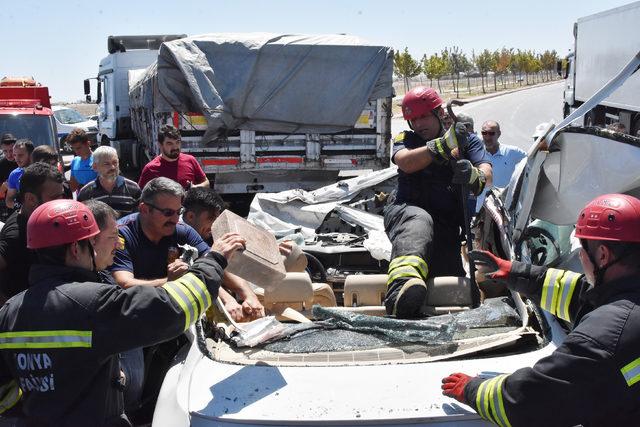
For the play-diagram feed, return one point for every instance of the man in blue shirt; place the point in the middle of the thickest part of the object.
(150, 238)
(22, 150)
(423, 222)
(504, 158)
(82, 171)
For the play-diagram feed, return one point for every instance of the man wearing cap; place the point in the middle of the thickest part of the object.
(593, 377)
(504, 158)
(424, 221)
(60, 340)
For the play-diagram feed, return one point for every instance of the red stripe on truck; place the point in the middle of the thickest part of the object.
(280, 160)
(220, 162)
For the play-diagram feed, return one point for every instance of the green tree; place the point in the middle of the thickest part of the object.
(485, 62)
(504, 58)
(405, 67)
(548, 60)
(457, 65)
(434, 67)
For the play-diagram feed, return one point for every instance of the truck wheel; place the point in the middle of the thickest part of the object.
(105, 141)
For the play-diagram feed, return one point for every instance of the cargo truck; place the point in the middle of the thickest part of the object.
(603, 44)
(260, 112)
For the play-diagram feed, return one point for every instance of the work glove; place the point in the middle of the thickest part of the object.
(465, 173)
(453, 386)
(454, 137)
(490, 265)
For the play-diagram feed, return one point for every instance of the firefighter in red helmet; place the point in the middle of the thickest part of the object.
(593, 377)
(60, 339)
(424, 219)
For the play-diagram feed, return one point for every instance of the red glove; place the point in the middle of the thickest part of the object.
(453, 386)
(489, 264)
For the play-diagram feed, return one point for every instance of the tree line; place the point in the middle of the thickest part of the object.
(453, 63)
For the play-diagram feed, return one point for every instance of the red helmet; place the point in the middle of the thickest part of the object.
(59, 222)
(419, 102)
(614, 217)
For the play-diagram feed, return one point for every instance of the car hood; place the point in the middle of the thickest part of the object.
(388, 394)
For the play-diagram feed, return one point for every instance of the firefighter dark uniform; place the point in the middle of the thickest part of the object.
(61, 338)
(593, 378)
(423, 223)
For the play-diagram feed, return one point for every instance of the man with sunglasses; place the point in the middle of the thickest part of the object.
(424, 220)
(593, 377)
(504, 158)
(150, 238)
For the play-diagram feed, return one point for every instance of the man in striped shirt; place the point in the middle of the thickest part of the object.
(110, 187)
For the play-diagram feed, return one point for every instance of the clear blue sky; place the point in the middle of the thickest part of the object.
(61, 42)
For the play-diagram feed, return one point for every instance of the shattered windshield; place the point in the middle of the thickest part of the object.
(68, 116)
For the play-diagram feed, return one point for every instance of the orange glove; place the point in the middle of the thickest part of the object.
(490, 265)
(453, 386)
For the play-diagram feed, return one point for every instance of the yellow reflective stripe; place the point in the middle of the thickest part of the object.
(498, 403)
(189, 281)
(182, 300)
(631, 372)
(484, 392)
(482, 404)
(412, 260)
(10, 394)
(550, 289)
(201, 288)
(46, 339)
(403, 272)
(491, 388)
(569, 281)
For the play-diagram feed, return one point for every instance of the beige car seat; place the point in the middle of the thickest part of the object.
(366, 292)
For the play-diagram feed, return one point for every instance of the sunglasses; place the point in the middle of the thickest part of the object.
(166, 212)
(484, 132)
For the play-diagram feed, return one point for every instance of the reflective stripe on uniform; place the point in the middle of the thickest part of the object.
(631, 372)
(403, 272)
(410, 260)
(46, 339)
(191, 295)
(557, 291)
(490, 401)
(10, 394)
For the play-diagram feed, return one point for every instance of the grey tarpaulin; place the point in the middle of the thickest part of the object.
(252, 81)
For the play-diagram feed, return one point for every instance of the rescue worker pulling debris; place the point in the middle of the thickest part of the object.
(60, 339)
(423, 222)
(593, 378)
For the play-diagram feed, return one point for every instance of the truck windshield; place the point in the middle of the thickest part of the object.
(36, 128)
(69, 116)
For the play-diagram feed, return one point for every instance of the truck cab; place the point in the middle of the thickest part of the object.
(25, 111)
(128, 55)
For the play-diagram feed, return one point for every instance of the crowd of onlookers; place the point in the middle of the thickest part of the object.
(144, 227)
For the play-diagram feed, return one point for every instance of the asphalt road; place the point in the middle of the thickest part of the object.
(518, 113)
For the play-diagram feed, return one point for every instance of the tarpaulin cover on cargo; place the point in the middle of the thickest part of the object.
(252, 81)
